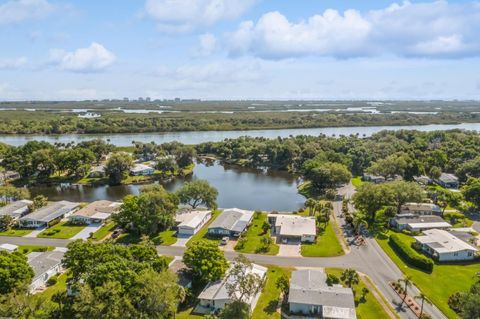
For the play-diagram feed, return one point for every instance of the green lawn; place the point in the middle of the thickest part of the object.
(327, 245)
(26, 249)
(357, 181)
(202, 234)
(252, 238)
(165, 238)
(441, 283)
(371, 308)
(62, 230)
(104, 231)
(16, 232)
(266, 307)
(61, 285)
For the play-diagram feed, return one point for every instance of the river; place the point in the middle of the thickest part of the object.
(237, 187)
(122, 139)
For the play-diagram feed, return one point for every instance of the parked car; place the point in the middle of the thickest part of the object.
(284, 241)
(116, 233)
(224, 241)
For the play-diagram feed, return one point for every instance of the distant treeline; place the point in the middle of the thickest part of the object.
(43, 122)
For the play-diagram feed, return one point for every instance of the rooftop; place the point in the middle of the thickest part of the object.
(51, 211)
(448, 178)
(140, 167)
(420, 206)
(11, 208)
(443, 242)
(191, 218)
(41, 262)
(98, 209)
(293, 225)
(233, 219)
(422, 221)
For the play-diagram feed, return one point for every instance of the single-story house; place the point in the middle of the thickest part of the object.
(8, 247)
(9, 176)
(142, 170)
(445, 246)
(44, 265)
(373, 178)
(417, 223)
(447, 180)
(16, 209)
(45, 215)
(420, 209)
(309, 295)
(97, 171)
(190, 222)
(215, 295)
(96, 212)
(294, 227)
(231, 222)
(424, 180)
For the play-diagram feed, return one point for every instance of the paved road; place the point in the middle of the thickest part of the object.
(369, 259)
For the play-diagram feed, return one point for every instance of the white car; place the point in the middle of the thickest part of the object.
(224, 240)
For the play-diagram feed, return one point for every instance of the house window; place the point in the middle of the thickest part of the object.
(455, 254)
(470, 254)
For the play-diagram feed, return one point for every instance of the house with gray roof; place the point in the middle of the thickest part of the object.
(44, 216)
(44, 265)
(16, 209)
(231, 222)
(445, 246)
(309, 296)
(294, 227)
(420, 209)
(447, 180)
(417, 223)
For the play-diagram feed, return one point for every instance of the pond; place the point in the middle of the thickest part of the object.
(240, 187)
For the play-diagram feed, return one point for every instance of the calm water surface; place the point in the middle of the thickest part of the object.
(238, 187)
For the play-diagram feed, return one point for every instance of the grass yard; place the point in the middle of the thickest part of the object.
(441, 283)
(61, 285)
(16, 232)
(26, 249)
(202, 234)
(165, 238)
(62, 230)
(251, 241)
(327, 245)
(357, 181)
(267, 304)
(186, 314)
(371, 308)
(104, 231)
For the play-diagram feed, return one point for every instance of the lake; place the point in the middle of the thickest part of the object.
(240, 187)
(122, 139)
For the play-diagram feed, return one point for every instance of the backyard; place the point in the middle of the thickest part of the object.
(441, 283)
(267, 304)
(326, 245)
(63, 230)
(252, 240)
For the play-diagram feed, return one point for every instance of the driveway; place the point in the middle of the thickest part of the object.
(35, 233)
(182, 241)
(85, 233)
(289, 250)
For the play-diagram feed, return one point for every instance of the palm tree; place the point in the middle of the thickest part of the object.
(407, 282)
(311, 205)
(424, 299)
(350, 277)
(359, 220)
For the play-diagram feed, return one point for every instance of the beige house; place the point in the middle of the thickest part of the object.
(96, 212)
(190, 222)
(294, 227)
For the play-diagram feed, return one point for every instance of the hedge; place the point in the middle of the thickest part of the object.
(410, 255)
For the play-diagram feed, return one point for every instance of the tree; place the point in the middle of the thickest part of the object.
(6, 222)
(198, 192)
(15, 272)
(350, 277)
(370, 198)
(471, 191)
(167, 164)
(39, 201)
(435, 172)
(283, 283)
(236, 309)
(11, 193)
(389, 167)
(444, 198)
(118, 166)
(266, 227)
(359, 222)
(407, 282)
(421, 296)
(243, 283)
(326, 174)
(404, 192)
(22, 305)
(206, 261)
(184, 155)
(363, 296)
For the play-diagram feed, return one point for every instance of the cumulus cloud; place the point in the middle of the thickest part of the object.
(11, 64)
(433, 29)
(185, 15)
(207, 44)
(91, 59)
(15, 11)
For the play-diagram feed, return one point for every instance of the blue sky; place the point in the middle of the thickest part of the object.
(239, 49)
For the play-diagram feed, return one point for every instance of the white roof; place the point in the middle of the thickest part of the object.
(420, 206)
(430, 225)
(8, 247)
(140, 167)
(443, 242)
(192, 219)
(233, 219)
(293, 225)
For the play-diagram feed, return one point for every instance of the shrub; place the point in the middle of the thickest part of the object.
(410, 255)
(454, 302)
(52, 280)
(332, 280)
(40, 249)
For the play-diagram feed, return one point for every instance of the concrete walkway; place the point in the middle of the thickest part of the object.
(85, 233)
(182, 241)
(35, 233)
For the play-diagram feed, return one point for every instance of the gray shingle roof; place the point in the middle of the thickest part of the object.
(42, 262)
(11, 208)
(233, 219)
(51, 211)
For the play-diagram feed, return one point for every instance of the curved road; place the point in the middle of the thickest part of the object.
(369, 259)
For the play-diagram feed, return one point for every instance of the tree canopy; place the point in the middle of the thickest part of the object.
(206, 261)
(198, 193)
(15, 272)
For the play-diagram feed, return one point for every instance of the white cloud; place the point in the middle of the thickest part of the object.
(94, 58)
(207, 44)
(15, 11)
(437, 29)
(185, 15)
(10, 64)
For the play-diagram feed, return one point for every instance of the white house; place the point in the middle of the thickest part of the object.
(190, 222)
(45, 215)
(310, 296)
(444, 246)
(142, 170)
(8, 247)
(416, 223)
(420, 209)
(294, 227)
(231, 222)
(96, 212)
(44, 265)
(215, 295)
(16, 209)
